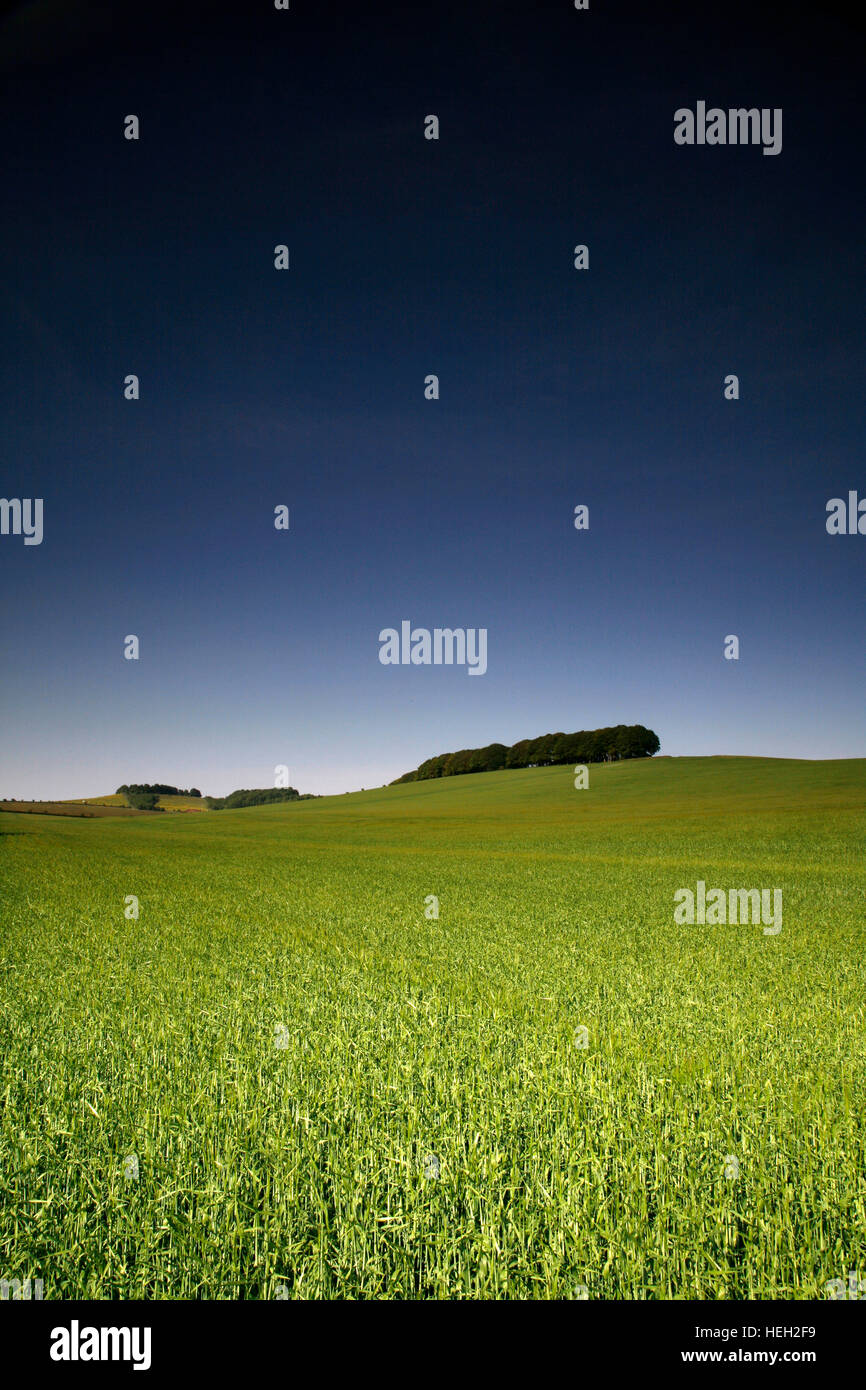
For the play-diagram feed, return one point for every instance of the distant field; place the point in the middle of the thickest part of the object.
(116, 804)
(166, 803)
(327, 1094)
(84, 810)
(116, 799)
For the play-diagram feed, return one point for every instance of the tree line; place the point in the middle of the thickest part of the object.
(258, 796)
(143, 796)
(158, 788)
(586, 746)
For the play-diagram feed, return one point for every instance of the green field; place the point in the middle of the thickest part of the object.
(328, 1094)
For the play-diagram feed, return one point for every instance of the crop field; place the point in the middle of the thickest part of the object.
(286, 1077)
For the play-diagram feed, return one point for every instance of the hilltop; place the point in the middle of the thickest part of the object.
(634, 788)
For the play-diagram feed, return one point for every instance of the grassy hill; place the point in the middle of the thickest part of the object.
(329, 1093)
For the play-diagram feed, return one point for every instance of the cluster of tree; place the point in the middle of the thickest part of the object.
(587, 746)
(258, 796)
(143, 801)
(158, 788)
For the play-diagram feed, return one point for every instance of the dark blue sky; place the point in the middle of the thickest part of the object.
(306, 387)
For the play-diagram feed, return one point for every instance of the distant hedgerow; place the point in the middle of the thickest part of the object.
(158, 788)
(258, 796)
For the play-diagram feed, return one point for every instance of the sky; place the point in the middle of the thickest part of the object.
(305, 387)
